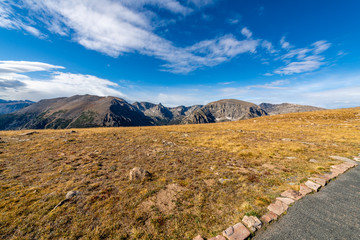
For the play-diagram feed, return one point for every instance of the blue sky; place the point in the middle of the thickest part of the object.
(182, 52)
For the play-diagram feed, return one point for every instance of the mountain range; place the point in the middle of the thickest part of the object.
(82, 111)
(12, 106)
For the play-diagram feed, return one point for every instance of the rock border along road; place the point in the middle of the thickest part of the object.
(333, 213)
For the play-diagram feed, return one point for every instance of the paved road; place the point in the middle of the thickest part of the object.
(332, 213)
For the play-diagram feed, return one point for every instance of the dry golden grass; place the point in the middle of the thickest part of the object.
(256, 160)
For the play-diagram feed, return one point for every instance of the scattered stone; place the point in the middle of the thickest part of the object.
(287, 140)
(287, 201)
(236, 232)
(218, 237)
(313, 186)
(139, 174)
(291, 158)
(252, 222)
(269, 217)
(198, 237)
(209, 182)
(72, 194)
(320, 181)
(222, 180)
(69, 195)
(313, 160)
(291, 194)
(28, 133)
(357, 159)
(278, 207)
(304, 190)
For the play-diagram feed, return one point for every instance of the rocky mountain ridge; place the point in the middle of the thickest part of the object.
(82, 111)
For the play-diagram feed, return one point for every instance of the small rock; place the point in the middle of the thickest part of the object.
(291, 194)
(222, 180)
(287, 140)
(198, 237)
(252, 222)
(320, 181)
(269, 217)
(237, 232)
(278, 207)
(304, 190)
(287, 201)
(72, 194)
(357, 159)
(313, 160)
(291, 158)
(139, 174)
(218, 237)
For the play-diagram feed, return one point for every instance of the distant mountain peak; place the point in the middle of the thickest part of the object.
(283, 108)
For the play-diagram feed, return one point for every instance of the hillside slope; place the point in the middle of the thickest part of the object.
(75, 112)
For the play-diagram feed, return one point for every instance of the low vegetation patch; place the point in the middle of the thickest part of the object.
(204, 178)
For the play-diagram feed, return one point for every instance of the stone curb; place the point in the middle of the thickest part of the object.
(250, 224)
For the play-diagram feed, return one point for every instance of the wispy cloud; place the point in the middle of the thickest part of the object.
(25, 66)
(303, 59)
(9, 20)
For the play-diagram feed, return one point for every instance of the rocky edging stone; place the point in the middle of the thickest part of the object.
(250, 224)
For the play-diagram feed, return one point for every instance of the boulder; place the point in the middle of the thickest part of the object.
(139, 174)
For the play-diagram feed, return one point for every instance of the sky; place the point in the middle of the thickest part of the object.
(182, 52)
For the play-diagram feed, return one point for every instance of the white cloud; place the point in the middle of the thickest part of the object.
(20, 86)
(246, 32)
(268, 46)
(284, 44)
(25, 66)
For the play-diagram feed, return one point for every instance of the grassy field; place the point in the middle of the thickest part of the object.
(205, 177)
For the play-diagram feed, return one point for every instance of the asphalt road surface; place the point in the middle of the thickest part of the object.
(332, 213)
